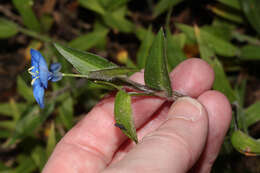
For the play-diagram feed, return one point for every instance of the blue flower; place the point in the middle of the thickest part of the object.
(41, 75)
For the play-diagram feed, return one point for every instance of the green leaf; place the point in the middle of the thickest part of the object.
(188, 30)
(218, 45)
(206, 53)
(25, 9)
(5, 134)
(250, 52)
(6, 108)
(141, 32)
(7, 124)
(123, 115)
(25, 91)
(7, 28)
(144, 48)
(51, 142)
(251, 9)
(227, 13)
(245, 38)
(231, 3)
(245, 144)
(47, 22)
(25, 165)
(93, 5)
(219, 30)
(221, 82)
(66, 112)
(117, 20)
(111, 5)
(252, 114)
(84, 62)
(175, 54)
(164, 5)
(110, 74)
(89, 40)
(179, 39)
(39, 157)
(156, 74)
(3, 167)
(32, 119)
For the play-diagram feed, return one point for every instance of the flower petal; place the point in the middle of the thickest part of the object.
(43, 71)
(56, 77)
(55, 67)
(38, 93)
(35, 56)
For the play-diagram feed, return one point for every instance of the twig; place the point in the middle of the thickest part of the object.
(6, 11)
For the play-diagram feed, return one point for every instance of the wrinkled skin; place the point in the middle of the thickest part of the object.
(185, 136)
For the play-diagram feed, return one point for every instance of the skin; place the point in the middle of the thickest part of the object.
(179, 137)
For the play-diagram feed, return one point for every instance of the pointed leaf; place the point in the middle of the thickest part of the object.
(24, 90)
(252, 113)
(221, 82)
(84, 62)
(164, 5)
(7, 28)
(123, 115)
(109, 74)
(93, 5)
(30, 121)
(175, 54)
(118, 21)
(245, 144)
(39, 156)
(156, 73)
(232, 3)
(250, 52)
(111, 5)
(206, 53)
(144, 48)
(87, 41)
(25, 9)
(51, 142)
(251, 9)
(7, 109)
(227, 14)
(66, 112)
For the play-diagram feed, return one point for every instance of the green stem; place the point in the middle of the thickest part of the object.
(75, 75)
(242, 37)
(34, 34)
(130, 84)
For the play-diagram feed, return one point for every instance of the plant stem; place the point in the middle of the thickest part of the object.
(145, 91)
(34, 34)
(75, 75)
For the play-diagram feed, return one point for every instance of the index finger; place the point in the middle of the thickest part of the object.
(91, 144)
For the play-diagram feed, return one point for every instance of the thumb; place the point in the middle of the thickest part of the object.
(174, 146)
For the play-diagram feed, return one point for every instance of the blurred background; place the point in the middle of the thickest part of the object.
(225, 33)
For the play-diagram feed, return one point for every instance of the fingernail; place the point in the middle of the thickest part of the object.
(186, 108)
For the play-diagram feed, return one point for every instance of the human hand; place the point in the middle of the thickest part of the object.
(173, 138)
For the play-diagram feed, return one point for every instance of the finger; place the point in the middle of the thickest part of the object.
(174, 146)
(219, 113)
(155, 122)
(96, 138)
(192, 87)
(192, 77)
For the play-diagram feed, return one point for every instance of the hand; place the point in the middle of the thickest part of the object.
(173, 138)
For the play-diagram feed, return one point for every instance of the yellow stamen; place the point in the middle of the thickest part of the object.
(34, 80)
(32, 73)
(30, 69)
